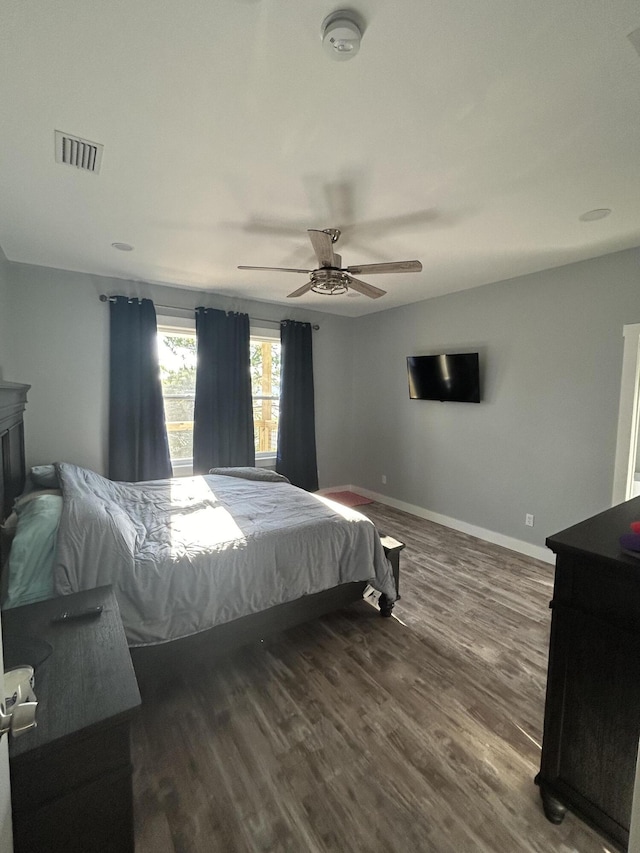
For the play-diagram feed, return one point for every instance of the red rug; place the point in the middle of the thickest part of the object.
(347, 498)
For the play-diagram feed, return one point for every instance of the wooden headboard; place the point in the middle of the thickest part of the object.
(13, 399)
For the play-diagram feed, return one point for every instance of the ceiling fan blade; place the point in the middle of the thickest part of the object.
(301, 290)
(365, 289)
(394, 266)
(323, 247)
(275, 269)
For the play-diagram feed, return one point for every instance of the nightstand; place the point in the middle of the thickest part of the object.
(71, 775)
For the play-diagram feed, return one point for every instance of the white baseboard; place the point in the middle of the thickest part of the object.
(347, 488)
(519, 545)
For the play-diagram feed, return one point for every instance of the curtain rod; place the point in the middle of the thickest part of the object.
(105, 298)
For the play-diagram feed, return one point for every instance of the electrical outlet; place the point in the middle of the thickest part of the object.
(384, 479)
(529, 519)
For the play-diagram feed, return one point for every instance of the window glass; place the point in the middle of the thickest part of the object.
(265, 389)
(177, 355)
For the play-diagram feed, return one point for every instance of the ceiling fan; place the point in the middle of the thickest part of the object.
(330, 278)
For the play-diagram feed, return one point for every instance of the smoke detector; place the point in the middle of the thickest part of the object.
(341, 35)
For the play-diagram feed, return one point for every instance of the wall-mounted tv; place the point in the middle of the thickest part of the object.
(452, 377)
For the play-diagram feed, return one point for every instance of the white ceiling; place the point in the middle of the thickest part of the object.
(470, 134)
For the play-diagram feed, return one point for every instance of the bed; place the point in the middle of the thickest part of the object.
(282, 556)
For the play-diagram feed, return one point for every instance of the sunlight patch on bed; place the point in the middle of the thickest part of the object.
(203, 526)
(186, 490)
(210, 527)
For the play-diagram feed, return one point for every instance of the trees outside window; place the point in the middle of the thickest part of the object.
(177, 355)
(265, 389)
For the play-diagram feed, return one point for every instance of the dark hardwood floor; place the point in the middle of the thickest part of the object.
(361, 734)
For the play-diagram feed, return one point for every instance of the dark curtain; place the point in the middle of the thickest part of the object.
(223, 416)
(138, 445)
(296, 424)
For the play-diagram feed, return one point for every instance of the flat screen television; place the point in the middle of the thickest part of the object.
(452, 377)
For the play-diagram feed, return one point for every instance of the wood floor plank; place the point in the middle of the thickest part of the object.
(356, 734)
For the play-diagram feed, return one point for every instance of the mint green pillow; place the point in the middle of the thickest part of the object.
(33, 551)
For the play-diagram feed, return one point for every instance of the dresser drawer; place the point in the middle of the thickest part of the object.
(44, 775)
(97, 818)
(611, 594)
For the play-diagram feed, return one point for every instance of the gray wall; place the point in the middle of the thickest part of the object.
(543, 439)
(60, 349)
(59, 331)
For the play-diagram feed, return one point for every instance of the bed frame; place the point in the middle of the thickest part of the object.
(214, 642)
(13, 399)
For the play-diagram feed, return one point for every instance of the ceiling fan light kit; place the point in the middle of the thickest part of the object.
(341, 35)
(330, 278)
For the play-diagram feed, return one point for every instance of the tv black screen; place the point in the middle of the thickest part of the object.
(453, 377)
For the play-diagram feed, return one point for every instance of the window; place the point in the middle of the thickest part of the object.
(177, 356)
(265, 389)
(177, 353)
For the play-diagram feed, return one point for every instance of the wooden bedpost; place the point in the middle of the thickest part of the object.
(392, 548)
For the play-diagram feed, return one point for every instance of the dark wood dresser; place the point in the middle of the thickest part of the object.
(71, 775)
(592, 712)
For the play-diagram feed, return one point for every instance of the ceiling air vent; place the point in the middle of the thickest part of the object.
(73, 151)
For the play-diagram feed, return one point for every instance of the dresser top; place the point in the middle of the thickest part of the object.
(87, 680)
(599, 536)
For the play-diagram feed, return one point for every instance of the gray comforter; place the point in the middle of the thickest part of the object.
(186, 554)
